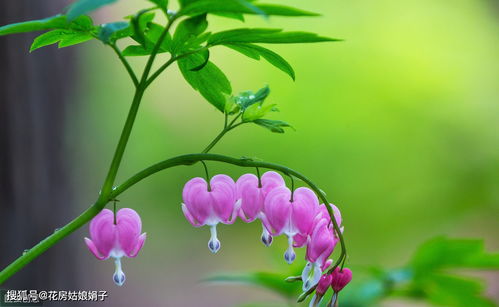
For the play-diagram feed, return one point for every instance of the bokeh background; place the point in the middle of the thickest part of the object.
(398, 124)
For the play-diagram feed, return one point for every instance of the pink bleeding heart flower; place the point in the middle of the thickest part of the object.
(320, 246)
(341, 278)
(252, 193)
(290, 216)
(322, 286)
(301, 240)
(116, 237)
(210, 205)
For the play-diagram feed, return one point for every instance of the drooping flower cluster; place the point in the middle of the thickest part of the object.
(296, 214)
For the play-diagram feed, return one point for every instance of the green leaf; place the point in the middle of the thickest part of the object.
(239, 7)
(64, 37)
(110, 32)
(445, 290)
(83, 7)
(248, 98)
(273, 125)
(442, 253)
(255, 51)
(152, 35)
(270, 281)
(54, 22)
(256, 111)
(187, 31)
(267, 36)
(160, 3)
(210, 81)
(140, 23)
(282, 10)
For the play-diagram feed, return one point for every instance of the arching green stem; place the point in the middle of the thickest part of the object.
(189, 159)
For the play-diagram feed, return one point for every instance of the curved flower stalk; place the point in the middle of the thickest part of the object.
(210, 204)
(252, 191)
(116, 236)
(290, 214)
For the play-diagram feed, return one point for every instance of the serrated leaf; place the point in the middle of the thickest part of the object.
(270, 281)
(239, 7)
(210, 81)
(54, 22)
(255, 51)
(267, 36)
(110, 32)
(83, 7)
(65, 38)
(273, 125)
(74, 39)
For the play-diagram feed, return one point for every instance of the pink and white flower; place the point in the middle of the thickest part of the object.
(210, 205)
(320, 246)
(252, 193)
(289, 215)
(116, 237)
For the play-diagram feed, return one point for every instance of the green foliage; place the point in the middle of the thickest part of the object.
(160, 3)
(187, 32)
(83, 7)
(432, 275)
(210, 81)
(65, 38)
(266, 36)
(255, 52)
(54, 22)
(276, 126)
(78, 31)
(111, 32)
(239, 7)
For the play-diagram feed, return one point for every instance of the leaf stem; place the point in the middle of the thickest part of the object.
(126, 64)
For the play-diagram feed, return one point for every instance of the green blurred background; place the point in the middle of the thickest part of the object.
(398, 124)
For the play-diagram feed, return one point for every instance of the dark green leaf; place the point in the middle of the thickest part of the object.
(273, 125)
(239, 7)
(54, 22)
(210, 81)
(83, 7)
(444, 290)
(268, 36)
(281, 10)
(187, 30)
(270, 281)
(64, 37)
(255, 51)
(110, 32)
(152, 35)
(206, 55)
(441, 253)
(140, 22)
(236, 16)
(160, 3)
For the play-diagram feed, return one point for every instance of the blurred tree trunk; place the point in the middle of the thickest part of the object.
(34, 178)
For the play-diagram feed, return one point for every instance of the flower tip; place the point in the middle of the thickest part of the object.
(119, 278)
(289, 255)
(267, 239)
(214, 245)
